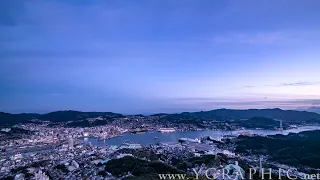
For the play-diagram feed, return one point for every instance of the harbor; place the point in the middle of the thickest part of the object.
(152, 137)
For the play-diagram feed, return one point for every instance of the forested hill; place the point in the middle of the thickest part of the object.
(57, 116)
(10, 119)
(293, 149)
(186, 117)
(285, 115)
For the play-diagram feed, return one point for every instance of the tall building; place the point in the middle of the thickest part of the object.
(281, 127)
(70, 142)
(260, 166)
(75, 164)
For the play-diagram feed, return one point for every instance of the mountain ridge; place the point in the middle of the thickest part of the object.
(217, 114)
(313, 109)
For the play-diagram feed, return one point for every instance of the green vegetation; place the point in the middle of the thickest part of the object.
(194, 118)
(8, 178)
(11, 119)
(141, 153)
(294, 149)
(285, 115)
(62, 167)
(180, 119)
(258, 122)
(86, 123)
(14, 133)
(62, 116)
(209, 160)
(138, 167)
(57, 116)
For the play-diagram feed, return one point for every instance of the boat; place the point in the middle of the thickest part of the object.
(189, 140)
(217, 139)
(245, 133)
(230, 136)
(138, 131)
(85, 135)
(16, 156)
(166, 130)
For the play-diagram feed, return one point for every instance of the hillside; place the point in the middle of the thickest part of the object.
(140, 169)
(285, 115)
(186, 117)
(63, 116)
(179, 119)
(285, 149)
(10, 119)
(314, 109)
(57, 116)
(259, 122)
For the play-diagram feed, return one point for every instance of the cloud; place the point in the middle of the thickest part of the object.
(303, 83)
(212, 103)
(315, 102)
(300, 83)
(248, 86)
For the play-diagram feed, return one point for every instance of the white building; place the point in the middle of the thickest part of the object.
(70, 143)
(41, 176)
(166, 130)
(75, 164)
(123, 155)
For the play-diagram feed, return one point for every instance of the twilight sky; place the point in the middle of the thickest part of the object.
(144, 56)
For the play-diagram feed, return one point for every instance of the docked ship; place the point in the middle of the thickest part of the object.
(245, 133)
(211, 139)
(228, 137)
(85, 135)
(189, 140)
(166, 130)
(138, 131)
(16, 156)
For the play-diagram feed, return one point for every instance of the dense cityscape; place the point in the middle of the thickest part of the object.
(42, 149)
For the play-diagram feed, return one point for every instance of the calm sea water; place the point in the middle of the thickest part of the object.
(149, 137)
